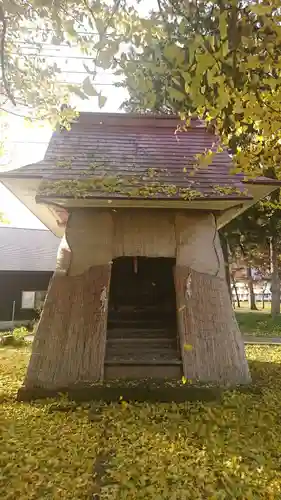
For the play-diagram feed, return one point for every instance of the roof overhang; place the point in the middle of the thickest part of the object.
(197, 204)
(258, 192)
(52, 212)
(25, 190)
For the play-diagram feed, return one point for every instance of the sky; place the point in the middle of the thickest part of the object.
(27, 144)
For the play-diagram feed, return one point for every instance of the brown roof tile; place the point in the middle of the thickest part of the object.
(136, 151)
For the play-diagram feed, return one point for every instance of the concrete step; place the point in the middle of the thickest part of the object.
(141, 315)
(142, 349)
(136, 370)
(143, 362)
(139, 323)
(151, 342)
(140, 333)
(142, 357)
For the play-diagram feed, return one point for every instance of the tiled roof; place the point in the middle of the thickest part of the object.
(136, 151)
(27, 249)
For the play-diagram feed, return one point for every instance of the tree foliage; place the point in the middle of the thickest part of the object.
(254, 239)
(29, 80)
(217, 59)
(3, 219)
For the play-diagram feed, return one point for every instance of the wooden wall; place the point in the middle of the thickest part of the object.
(69, 345)
(96, 236)
(12, 284)
(70, 341)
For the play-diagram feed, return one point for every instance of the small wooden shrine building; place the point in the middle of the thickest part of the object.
(140, 287)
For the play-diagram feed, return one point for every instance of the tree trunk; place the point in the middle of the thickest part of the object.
(236, 292)
(252, 297)
(211, 343)
(224, 245)
(263, 294)
(275, 280)
(69, 345)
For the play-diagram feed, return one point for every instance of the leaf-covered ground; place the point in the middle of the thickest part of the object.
(162, 451)
(258, 323)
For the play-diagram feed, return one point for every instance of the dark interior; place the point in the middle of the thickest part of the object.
(142, 339)
(142, 284)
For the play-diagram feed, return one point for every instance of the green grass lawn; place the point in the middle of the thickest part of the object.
(266, 308)
(258, 323)
(190, 451)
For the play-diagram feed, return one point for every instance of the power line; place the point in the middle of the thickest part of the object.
(44, 56)
(94, 83)
(66, 57)
(45, 43)
(77, 58)
(52, 30)
(51, 46)
(75, 72)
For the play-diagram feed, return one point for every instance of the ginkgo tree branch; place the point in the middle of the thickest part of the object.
(161, 12)
(264, 103)
(102, 35)
(2, 57)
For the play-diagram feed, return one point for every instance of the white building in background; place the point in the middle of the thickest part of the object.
(240, 283)
(261, 290)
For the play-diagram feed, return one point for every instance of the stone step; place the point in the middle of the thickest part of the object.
(132, 370)
(142, 352)
(144, 347)
(139, 325)
(140, 342)
(142, 357)
(157, 322)
(137, 361)
(140, 333)
(140, 316)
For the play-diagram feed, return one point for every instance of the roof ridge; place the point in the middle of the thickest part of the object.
(96, 117)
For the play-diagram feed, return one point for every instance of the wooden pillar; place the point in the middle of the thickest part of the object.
(69, 345)
(211, 343)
